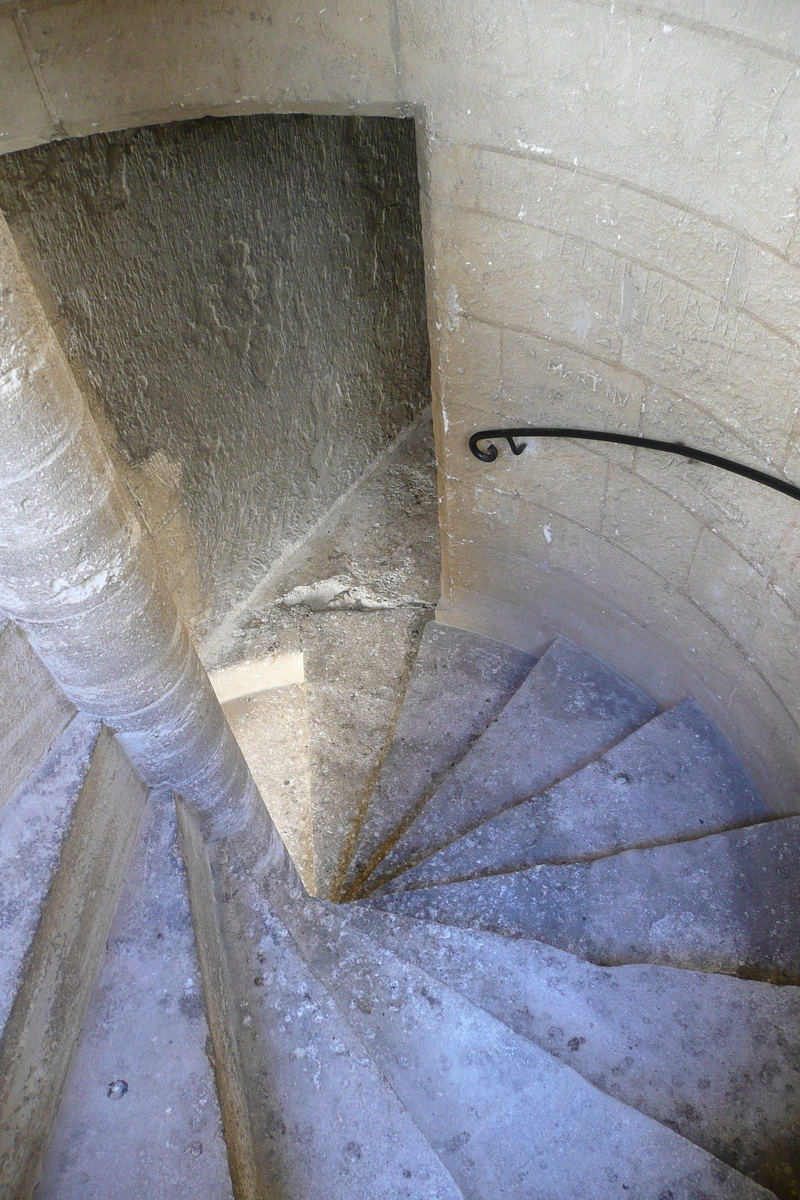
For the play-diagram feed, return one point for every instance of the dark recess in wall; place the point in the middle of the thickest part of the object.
(245, 295)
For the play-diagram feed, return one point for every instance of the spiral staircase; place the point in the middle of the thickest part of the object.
(565, 962)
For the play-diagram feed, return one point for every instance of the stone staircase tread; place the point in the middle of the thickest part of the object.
(507, 1119)
(33, 827)
(715, 1058)
(356, 664)
(673, 779)
(725, 903)
(459, 682)
(325, 1122)
(570, 709)
(139, 1115)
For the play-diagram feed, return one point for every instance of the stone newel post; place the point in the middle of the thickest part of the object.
(76, 574)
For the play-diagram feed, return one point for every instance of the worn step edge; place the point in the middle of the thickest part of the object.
(219, 1002)
(640, 906)
(588, 816)
(392, 864)
(400, 883)
(356, 878)
(48, 1010)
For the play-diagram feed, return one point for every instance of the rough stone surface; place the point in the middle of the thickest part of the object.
(504, 1116)
(570, 708)
(272, 729)
(458, 684)
(246, 299)
(724, 903)
(33, 827)
(139, 1114)
(325, 1121)
(714, 1058)
(675, 778)
(353, 598)
(33, 709)
(375, 550)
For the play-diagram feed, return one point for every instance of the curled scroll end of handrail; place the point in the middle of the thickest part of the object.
(487, 455)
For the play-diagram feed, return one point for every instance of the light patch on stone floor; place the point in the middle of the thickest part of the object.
(257, 675)
(272, 730)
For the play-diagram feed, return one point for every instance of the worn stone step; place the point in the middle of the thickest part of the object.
(357, 666)
(272, 729)
(458, 684)
(506, 1118)
(322, 1120)
(674, 778)
(139, 1115)
(570, 709)
(716, 1059)
(33, 828)
(726, 903)
(65, 841)
(33, 709)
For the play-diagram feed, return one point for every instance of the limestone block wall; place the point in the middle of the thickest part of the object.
(610, 214)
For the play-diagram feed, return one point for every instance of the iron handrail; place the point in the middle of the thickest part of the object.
(624, 439)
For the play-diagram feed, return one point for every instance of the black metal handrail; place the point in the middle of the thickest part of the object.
(625, 439)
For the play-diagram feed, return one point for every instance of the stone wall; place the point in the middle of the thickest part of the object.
(245, 297)
(610, 221)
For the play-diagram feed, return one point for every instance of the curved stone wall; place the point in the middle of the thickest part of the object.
(611, 212)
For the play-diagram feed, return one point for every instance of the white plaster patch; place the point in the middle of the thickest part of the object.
(548, 534)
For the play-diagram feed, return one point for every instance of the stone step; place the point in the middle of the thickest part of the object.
(716, 1059)
(725, 903)
(506, 1118)
(33, 709)
(458, 684)
(674, 778)
(323, 1122)
(139, 1115)
(272, 729)
(357, 665)
(65, 841)
(570, 709)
